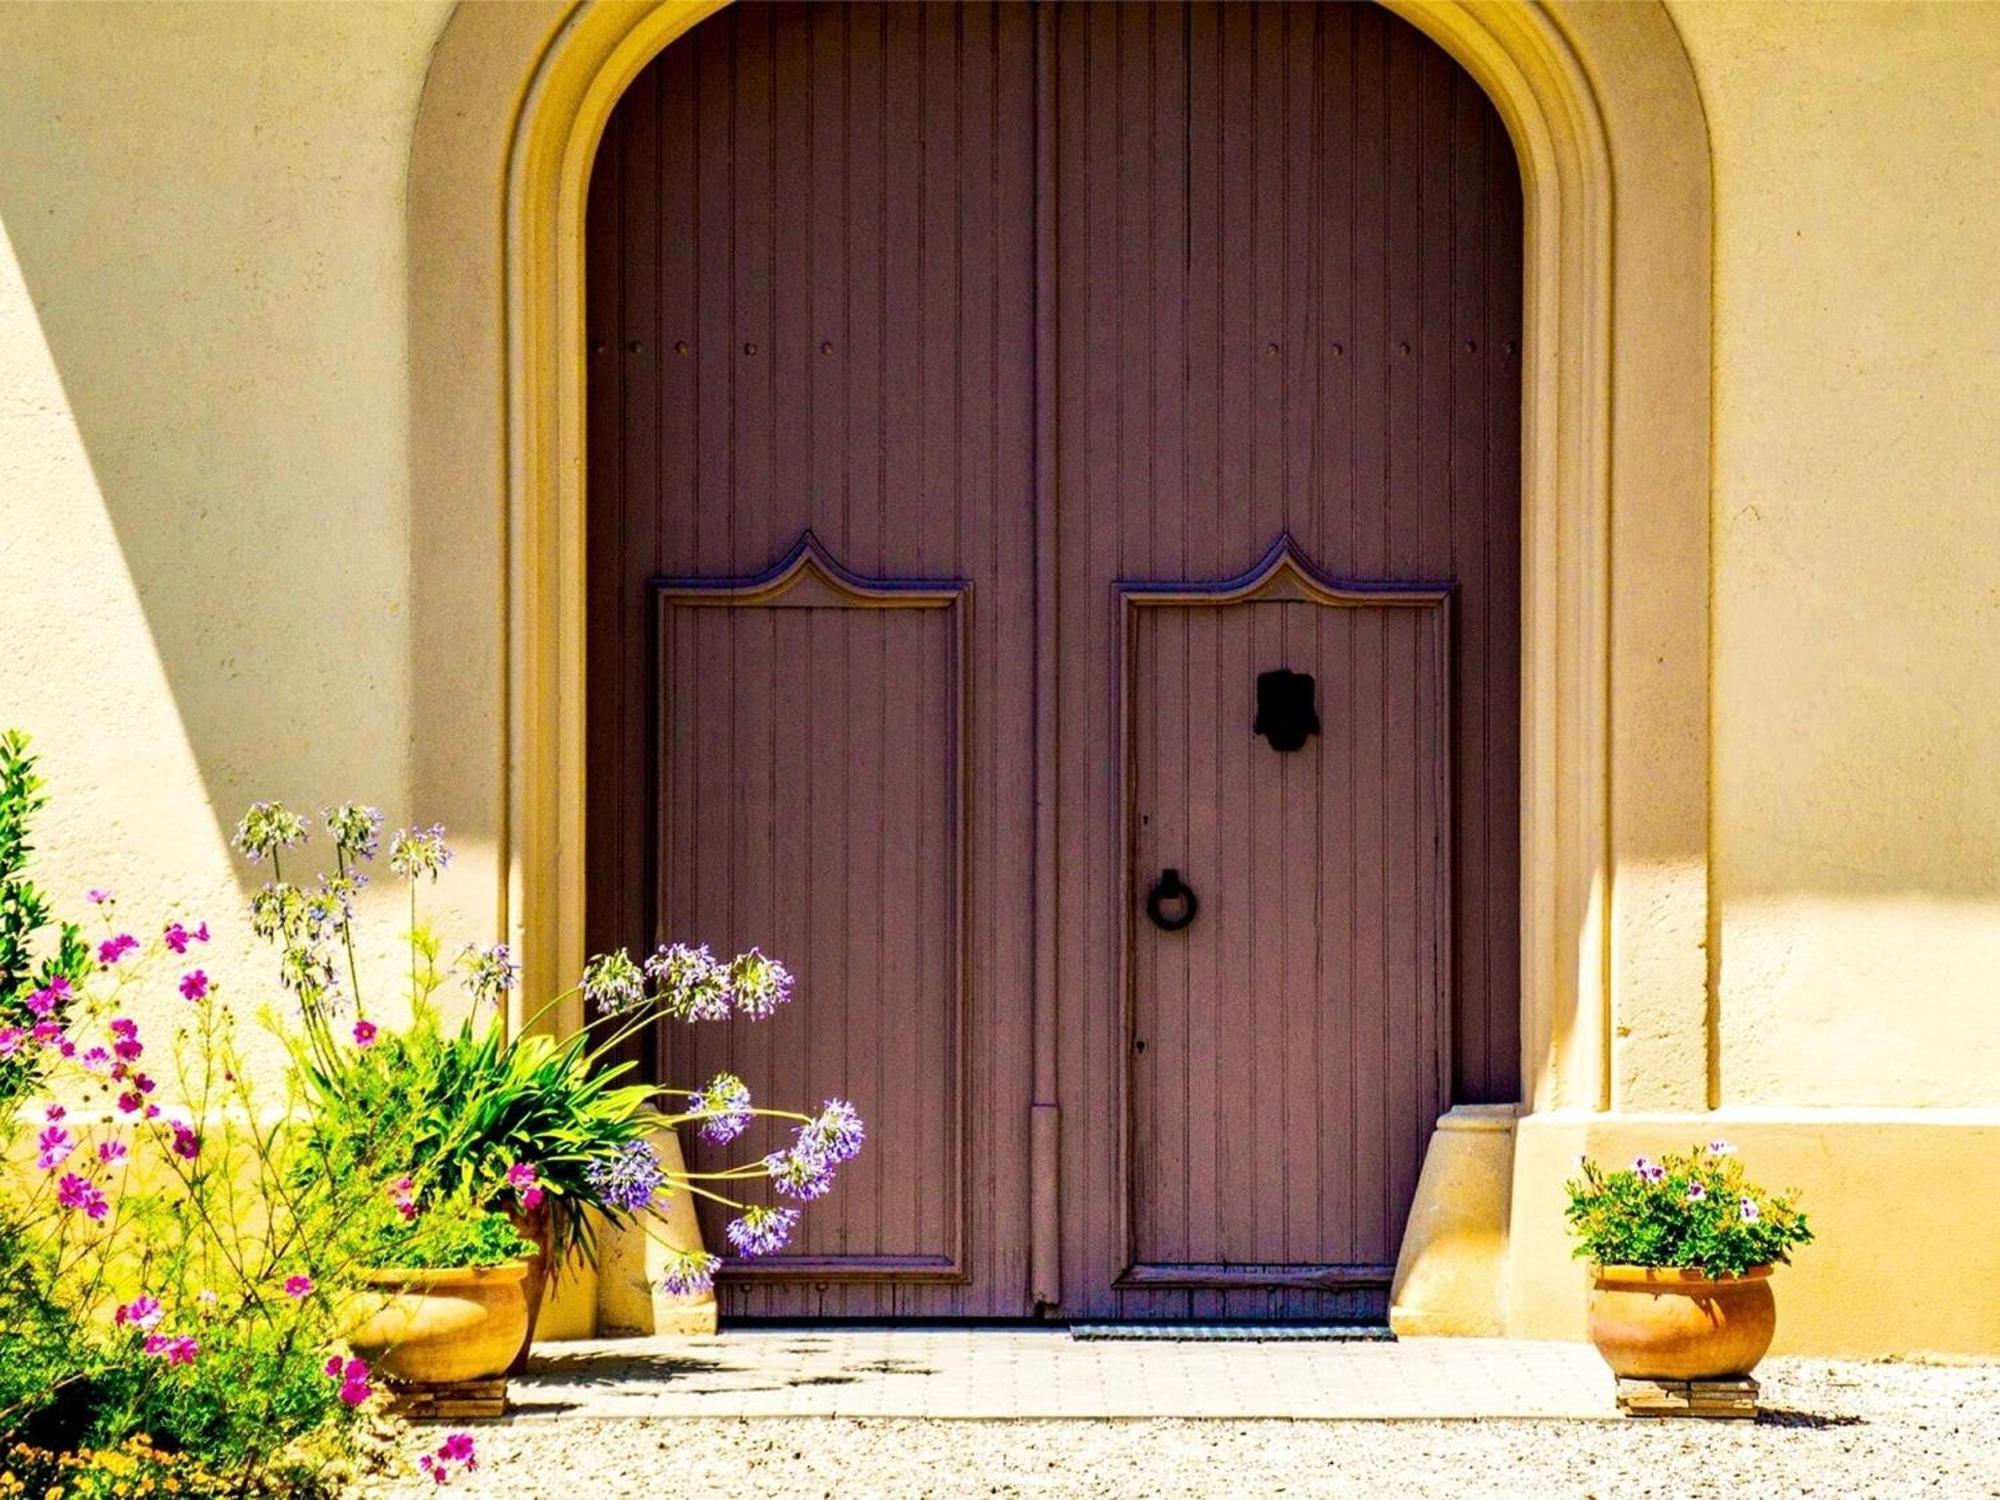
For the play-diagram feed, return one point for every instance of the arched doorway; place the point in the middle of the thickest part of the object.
(1022, 335)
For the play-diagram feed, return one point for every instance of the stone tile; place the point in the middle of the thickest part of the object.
(1036, 1373)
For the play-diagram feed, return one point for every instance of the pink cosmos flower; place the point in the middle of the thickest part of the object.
(178, 937)
(96, 1060)
(176, 1350)
(53, 1147)
(74, 1192)
(125, 1039)
(353, 1377)
(54, 1113)
(194, 984)
(112, 949)
(111, 1151)
(140, 1312)
(402, 1193)
(47, 1032)
(97, 895)
(187, 1145)
(298, 1286)
(364, 1034)
(12, 1039)
(526, 1183)
(44, 1001)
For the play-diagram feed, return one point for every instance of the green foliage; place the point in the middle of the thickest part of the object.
(1694, 1212)
(137, 1469)
(25, 912)
(451, 1235)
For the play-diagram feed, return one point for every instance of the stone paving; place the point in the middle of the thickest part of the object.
(1035, 1374)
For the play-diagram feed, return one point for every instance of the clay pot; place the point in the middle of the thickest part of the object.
(1654, 1323)
(437, 1326)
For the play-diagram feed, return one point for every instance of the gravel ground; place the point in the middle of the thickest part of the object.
(1830, 1429)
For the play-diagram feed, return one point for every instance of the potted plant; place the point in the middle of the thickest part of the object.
(556, 1134)
(1682, 1251)
(445, 1299)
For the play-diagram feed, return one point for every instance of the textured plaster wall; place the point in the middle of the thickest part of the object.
(1857, 548)
(205, 510)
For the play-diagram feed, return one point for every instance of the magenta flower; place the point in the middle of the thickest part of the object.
(402, 1193)
(53, 1147)
(178, 937)
(140, 1312)
(97, 895)
(194, 984)
(455, 1449)
(176, 1350)
(114, 948)
(364, 1034)
(111, 1151)
(95, 1060)
(298, 1286)
(74, 1192)
(125, 1039)
(353, 1377)
(12, 1040)
(526, 1183)
(54, 1113)
(48, 1032)
(187, 1145)
(44, 1001)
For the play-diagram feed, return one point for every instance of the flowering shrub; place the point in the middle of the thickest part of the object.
(178, 1261)
(1694, 1212)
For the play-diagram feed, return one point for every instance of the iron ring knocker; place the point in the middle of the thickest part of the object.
(1170, 887)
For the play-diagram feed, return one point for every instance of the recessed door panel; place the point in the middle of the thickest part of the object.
(1285, 1057)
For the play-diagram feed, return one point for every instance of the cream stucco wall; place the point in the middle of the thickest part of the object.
(1857, 549)
(205, 508)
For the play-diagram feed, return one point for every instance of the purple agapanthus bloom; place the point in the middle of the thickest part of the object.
(692, 985)
(836, 1132)
(688, 1272)
(627, 1179)
(724, 1107)
(799, 1173)
(355, 828)
(759, 984)
(762, 1230)
(416, 852)
(613, 983)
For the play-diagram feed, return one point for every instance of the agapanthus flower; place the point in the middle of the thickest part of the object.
(688, 1272)
(799, 1173)
(177, 937)
(52, 1147)
(74, 1192)
(114, 948)
(612, 982)
(44, 1001)
(110, 1152)
(140, 1312)
(364, 1034)
(692, 985)
(490, 972)
(194, 984)
(836, 1132)
(298, 1286)
(415, 852)
(353, 828)
(760, 1231)
(724, 1107)
(266, 828)
(759, 984)
(1749, 1210)
(626, 1179)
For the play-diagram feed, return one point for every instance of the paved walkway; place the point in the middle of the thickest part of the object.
(1038, 1373)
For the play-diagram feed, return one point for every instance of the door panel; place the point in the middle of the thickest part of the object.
(1286, 1046)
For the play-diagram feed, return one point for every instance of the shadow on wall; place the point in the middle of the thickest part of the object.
(208, 563)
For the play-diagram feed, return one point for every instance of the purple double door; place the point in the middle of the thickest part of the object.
(998, 414)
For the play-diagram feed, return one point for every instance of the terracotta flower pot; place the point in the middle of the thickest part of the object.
(1660, 1324)
(437, 1326)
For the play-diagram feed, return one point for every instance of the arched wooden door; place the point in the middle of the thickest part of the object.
(997, 413)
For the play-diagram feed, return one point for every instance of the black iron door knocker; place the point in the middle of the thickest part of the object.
(1171, 891)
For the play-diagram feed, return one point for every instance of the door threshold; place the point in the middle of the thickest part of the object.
(1246, 1333)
